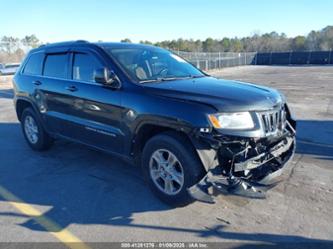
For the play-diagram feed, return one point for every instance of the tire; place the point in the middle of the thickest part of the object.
(41, 141)
(188, 165)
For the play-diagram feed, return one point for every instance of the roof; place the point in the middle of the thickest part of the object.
(122, 45)
(99, 44)
(62, 44)
(66, 45)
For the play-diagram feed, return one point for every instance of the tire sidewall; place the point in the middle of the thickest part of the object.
(41, 136)
(192, 168)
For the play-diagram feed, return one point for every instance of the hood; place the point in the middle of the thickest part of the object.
(224, 95)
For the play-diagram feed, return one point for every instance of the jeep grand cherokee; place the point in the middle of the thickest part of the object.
(189, 131)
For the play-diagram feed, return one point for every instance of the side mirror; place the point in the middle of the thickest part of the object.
(107, 77)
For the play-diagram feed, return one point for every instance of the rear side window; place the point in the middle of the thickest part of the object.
(84, 67)
(56, 65)
(34, 64)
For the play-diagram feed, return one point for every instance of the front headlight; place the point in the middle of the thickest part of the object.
(237, 120)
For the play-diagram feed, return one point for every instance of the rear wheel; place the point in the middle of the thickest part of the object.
(33, 131)
(171, 165)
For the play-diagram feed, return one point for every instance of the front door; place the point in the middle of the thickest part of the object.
(96, 108)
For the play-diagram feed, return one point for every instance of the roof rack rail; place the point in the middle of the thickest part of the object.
(63, 43)
(81, 41)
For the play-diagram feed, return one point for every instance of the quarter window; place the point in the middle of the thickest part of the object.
(56, 66)
(34, 64)
(84, 67)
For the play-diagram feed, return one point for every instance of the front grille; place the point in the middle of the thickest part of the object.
(273, 121)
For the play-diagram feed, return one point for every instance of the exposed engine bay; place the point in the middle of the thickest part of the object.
(246, 166)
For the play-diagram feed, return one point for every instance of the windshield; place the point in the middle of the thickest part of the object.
(153, 64)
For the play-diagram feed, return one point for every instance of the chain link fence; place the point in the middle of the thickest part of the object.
(209, 61)
(295, 58)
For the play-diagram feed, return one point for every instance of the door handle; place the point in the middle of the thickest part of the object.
(37, 82)
(71, 88)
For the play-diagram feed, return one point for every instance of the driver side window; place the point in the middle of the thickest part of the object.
(84, 67)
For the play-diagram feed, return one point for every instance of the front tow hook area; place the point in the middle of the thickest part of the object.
(227, 186)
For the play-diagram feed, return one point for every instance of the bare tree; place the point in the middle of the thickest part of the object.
(30, 41)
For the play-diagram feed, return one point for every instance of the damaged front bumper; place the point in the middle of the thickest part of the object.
(244, 166)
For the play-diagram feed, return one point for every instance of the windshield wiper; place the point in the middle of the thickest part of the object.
(170, 78)
(197, 76)
(160, 79)
(149, 81)
(182, 77)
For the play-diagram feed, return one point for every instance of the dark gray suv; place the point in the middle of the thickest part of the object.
(189, 132)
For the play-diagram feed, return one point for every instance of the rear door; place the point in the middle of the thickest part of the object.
(54, 99)
(44, 76)
(96, 108)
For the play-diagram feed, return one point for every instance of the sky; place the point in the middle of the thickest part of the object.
(113, 20)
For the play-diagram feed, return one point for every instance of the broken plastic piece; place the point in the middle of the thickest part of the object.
(246, 190)
(199, 191)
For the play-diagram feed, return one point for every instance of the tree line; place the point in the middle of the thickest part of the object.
(13, 49)
(269, 42)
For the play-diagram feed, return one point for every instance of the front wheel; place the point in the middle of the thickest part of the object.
(171, 165)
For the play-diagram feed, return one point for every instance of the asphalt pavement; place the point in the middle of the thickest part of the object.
(74, 193)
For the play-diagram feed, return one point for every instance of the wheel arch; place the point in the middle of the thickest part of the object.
(146, 131)
(21, 104)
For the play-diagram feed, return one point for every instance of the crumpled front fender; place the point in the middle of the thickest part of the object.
(250, 177)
